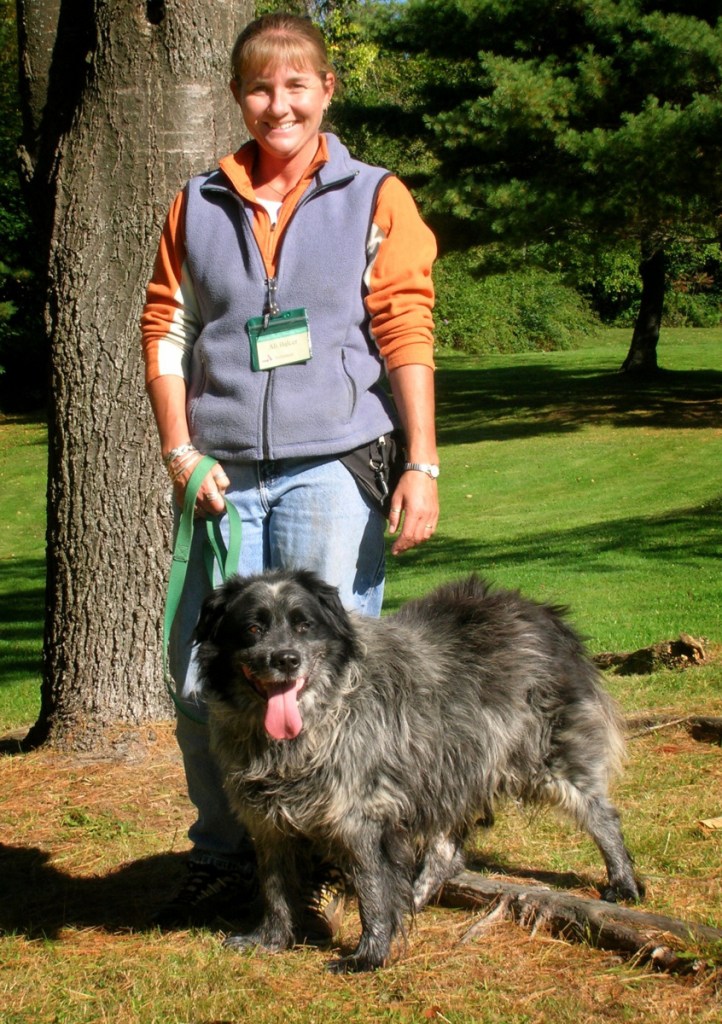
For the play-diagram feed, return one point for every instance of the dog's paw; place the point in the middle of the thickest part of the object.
(623, 892)
(353, 965)
(254, 941)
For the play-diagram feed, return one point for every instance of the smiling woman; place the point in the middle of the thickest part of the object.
(288, 283)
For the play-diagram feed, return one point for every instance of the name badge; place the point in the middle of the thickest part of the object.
(281, 340)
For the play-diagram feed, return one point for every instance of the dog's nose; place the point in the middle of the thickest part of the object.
(286, 660)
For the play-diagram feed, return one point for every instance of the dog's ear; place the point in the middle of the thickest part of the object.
(211, 615)
(333, 612)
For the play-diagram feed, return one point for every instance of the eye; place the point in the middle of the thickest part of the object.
(255, 629)
(302, 626)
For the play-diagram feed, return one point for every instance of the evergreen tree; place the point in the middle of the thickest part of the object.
(564, 121)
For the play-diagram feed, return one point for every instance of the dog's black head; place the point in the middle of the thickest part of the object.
(264, 639)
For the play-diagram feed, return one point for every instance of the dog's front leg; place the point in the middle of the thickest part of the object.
(382, 876)
(278, 874)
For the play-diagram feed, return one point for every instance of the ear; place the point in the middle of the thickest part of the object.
(329, 87)
(333, 612)
(212, 612)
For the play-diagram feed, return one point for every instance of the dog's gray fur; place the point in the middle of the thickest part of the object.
(411, 728)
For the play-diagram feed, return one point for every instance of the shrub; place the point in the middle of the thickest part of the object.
(609, 278)
(521, 310)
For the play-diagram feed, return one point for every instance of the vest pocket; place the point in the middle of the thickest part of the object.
(196, 390)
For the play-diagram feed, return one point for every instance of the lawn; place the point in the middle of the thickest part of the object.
(559, 477)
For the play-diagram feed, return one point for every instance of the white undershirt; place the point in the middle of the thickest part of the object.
(272, 206)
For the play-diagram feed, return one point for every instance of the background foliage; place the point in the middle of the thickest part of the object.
(546, 143)
(574, 136)
(23, 351)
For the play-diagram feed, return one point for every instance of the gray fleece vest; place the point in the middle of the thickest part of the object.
(329, 405)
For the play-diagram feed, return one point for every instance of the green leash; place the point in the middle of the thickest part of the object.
(215, 552)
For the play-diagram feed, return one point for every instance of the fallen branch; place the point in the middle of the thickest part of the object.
(647, 937)
(704, 728)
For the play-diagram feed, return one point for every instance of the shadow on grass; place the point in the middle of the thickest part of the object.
(45, 900)
(22, 611)
(528, 399)
(681, 538)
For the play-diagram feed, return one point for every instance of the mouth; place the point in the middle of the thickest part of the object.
(285, 126)
(282, 719)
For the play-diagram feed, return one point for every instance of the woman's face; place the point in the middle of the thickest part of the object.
(283, 109)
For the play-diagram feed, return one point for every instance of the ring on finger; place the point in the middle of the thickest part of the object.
(212, 495)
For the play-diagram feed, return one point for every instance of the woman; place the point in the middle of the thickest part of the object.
(290, 230)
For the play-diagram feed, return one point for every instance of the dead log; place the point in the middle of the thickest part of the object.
(705, 729)
(646, 937)
(681, 653)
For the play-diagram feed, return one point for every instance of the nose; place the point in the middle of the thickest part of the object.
(286, 660)
(278, 104)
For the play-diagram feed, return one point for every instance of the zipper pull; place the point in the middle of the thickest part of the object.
(271, 308)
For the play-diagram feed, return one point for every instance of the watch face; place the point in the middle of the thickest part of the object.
(434, 471)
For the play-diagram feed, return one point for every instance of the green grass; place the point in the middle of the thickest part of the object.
(23, 473)
(565, 479)
(560, 476)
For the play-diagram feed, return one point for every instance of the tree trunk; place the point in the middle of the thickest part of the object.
(137, 100)
(642, 356)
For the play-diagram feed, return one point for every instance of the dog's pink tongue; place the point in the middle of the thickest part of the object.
(283, 720)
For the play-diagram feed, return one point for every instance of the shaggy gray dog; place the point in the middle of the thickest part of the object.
(378, 744)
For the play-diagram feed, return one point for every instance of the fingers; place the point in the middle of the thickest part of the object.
(414, 532)
(211, 493)
(414, 509)
(210, 499)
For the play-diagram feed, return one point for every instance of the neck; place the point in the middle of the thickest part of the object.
(281, 176)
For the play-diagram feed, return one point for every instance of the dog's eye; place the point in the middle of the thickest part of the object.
(301, 627)
(255, 629)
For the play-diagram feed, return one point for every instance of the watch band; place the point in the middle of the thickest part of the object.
(423, 467)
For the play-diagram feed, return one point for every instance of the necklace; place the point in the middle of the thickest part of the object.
(278, 192)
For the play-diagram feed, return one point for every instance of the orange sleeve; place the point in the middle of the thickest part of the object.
(400, 295)
(170, 322)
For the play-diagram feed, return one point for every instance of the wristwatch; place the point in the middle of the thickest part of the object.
(423, 467)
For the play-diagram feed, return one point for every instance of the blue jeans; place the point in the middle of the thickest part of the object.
(296, 514)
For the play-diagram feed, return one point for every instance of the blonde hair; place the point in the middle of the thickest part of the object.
(279, 39)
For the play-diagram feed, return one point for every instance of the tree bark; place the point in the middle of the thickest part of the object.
(642, 356)
(137, 100)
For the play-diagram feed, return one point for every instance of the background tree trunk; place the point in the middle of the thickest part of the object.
(642, 356)
(137, 100)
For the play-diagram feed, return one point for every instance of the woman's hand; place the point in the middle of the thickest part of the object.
(210, 498)
(414, 506)
(168, 400)
(415, 501)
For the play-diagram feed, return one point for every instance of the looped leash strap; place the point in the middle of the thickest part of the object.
(215, 551)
